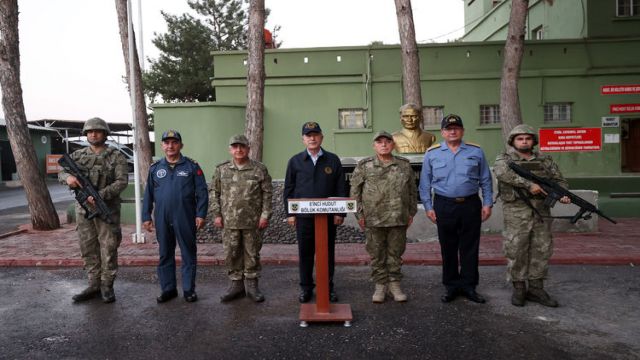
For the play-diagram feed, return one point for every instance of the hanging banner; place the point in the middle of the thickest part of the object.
(570, 139)
(620, 89)
(624, 108)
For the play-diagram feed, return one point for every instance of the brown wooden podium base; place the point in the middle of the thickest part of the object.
(337, 312)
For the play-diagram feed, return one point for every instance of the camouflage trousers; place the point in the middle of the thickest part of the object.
(528, 243)
(386, 245)
(99, 244)
(242, 250)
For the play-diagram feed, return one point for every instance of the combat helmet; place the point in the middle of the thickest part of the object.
(522, 129)
(95, 124)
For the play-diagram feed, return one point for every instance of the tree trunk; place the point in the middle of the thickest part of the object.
(43, 213)
(510, 114)
(254, 124)
(142, 142)
(410, 58)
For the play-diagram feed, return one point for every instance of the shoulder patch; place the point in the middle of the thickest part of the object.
(433, 147)
(473, 144)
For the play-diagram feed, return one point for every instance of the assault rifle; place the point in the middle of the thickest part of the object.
(555, 192)
(82, 194)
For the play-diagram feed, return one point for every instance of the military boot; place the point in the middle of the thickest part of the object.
(89, 293)
(253, 292)
(537, 294)
(235, 290)
(519, 293)
(379, 294)
(108, 296)
(394, 289)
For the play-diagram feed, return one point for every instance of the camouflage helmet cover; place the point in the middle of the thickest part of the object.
(522, 129)
(95, 124)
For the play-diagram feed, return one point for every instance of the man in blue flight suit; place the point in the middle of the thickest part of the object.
(455, 171)
(313, 173)
(177, 193)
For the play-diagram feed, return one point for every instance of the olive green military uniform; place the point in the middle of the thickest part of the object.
(528, 243)
(99, 241)
(387, 197)
(241, 196)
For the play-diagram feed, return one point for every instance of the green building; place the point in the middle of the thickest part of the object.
(40, 137)
(355, 91)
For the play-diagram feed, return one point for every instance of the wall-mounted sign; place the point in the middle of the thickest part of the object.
(611, 138)
(52, 164)
(624, 108)
(610, 121)
(620, 89)
(570, 139)
(322, 206)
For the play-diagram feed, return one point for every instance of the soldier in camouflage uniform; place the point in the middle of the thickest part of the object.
(528, 244)
(106, 167)
(385, 189)
(241, 206)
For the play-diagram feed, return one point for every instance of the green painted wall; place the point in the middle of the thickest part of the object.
(205, 129)
(458, 76)
(563, 20)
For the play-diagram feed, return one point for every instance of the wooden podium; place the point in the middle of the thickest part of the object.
(322, 310)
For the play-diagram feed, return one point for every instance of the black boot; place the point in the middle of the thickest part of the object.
(518, 298)
(108, 296)
(253, 291)
(89, 293)
(235, 290)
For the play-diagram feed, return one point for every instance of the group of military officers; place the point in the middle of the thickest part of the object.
(455, 188)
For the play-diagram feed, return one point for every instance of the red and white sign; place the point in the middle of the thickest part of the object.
(624, 108)
(52, 164)
(620, 89)
(570, 139)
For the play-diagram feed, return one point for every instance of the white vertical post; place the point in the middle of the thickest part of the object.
(138, 237)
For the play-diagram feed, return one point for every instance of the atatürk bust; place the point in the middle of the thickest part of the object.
(412, 139)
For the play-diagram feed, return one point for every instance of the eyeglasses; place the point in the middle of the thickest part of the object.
(452, 129)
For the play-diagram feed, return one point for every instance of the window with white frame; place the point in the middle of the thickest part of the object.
(626, 8)
(352, 118)
(432, 116)
(557, 113)
(489, 114)
(537, 34)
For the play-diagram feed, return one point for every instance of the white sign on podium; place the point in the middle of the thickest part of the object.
(322, 206)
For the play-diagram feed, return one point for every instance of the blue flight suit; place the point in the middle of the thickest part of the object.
(177, 196)
(455, 179)
(303, 179)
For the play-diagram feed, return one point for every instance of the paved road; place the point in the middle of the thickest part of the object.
(13, 205)
(598, 319)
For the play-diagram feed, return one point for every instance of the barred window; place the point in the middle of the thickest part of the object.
(432, 116)
(557, 113)
(489, 114)
(352, 118)
(626, 8)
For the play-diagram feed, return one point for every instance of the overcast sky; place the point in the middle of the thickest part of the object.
(71, 57)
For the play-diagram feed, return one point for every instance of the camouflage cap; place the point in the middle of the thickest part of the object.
(311, 126)
(171, 134)
(382, 133)
(451, 119)
(238, 139)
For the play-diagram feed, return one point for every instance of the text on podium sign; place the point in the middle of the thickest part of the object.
(322, 206)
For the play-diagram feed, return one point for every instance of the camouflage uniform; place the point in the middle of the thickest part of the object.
(387, 197)
(99, 241)
(241, 196)
(528, 244)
